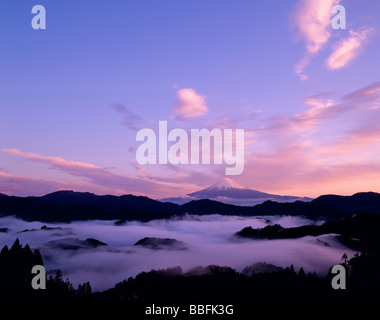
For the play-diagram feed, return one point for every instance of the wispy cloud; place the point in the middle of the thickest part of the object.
(130, 119)
(295, 157)
(349, 177)
(73, 167)
(320, 108)
(368, 93)
(324, 106)
(347, 49)
(26, 186)
(287, 153)
(115, 183)
(312, 19)
(189, 104)
(140, 169)
(366, 133)
(301, 170)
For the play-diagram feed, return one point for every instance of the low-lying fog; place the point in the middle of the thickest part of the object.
(209, 240)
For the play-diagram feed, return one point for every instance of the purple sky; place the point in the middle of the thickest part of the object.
(73, 96)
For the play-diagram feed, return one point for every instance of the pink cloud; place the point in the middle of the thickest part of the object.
(25, 186)
(96, 176)
(285, 154)
(320, 108)
(28, 186)
(347, 49)
(296, 155)
(344, 177)
(225, 123)
(140, 169)
(274, 170)
(187, 178)
(189, 104)
(366, 134)
(57, 161)
(371, 92)
(312, 18)
(313, 21)
(299, 170)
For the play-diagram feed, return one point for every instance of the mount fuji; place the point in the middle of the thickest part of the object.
(230, 192)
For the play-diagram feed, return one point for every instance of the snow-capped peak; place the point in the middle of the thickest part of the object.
(225, 184)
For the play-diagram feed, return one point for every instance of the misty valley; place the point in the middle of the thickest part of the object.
(104, 253)
(113, 258)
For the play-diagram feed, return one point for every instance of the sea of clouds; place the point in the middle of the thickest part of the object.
(209, 240)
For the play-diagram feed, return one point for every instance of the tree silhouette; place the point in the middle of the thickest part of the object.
(16, 264)
(84, 289)
(344, 260)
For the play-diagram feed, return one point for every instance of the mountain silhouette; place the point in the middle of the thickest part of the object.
(368, 202)
(63, 206)
(108, 202)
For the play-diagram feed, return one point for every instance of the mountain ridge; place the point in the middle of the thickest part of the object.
(63, 206)
(368, 202)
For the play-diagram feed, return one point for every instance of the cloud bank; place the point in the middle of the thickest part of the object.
(209, 241)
